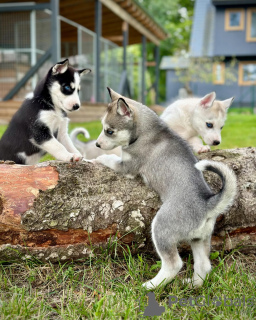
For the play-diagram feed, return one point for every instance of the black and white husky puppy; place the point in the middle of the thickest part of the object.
(40, 125)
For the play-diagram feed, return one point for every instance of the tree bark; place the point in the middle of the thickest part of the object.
(60, 211)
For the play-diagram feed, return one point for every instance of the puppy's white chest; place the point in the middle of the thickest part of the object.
(51, 119)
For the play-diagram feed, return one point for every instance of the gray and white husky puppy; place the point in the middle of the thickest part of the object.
(194, 117)
(167, 164)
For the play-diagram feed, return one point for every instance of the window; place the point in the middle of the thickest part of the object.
(247, 73)
(219, 73)
(234, 19)
(251, 25)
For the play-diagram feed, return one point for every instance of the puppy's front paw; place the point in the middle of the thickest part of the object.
(107, 159)
(103, 159)
(203, 149)
(76, 157)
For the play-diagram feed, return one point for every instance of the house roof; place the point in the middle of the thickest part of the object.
(232, 2)
(169, 62)
(114, 13)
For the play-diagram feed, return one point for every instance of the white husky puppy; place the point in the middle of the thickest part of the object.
(194, 117)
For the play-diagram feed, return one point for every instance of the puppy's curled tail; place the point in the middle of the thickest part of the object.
(220, 202)
(76, 142)
(74, 133)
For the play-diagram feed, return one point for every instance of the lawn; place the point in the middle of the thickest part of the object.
(104, 287)
(109, 287)
(239, 130)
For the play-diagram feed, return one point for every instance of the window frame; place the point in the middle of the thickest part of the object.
(241, 82)
(248, 25)
(227, 19)
(214, 68)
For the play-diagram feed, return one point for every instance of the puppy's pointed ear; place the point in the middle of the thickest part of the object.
(113, 95)
(123, 109)
(84, 71)
(207, 101)
(227, 103)
(60, 67)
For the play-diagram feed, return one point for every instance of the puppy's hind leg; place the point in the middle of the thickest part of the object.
(171, 262)
(202, 264)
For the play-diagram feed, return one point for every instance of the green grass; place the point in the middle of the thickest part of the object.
(239, 130)
(104, 287)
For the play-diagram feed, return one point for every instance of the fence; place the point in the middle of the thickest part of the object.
(26, 36)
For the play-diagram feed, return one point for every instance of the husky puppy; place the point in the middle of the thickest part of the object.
(40, 125)
(167, 164)
(88, 149)
(194, 117)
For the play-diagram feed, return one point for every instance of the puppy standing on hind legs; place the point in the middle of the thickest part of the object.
(40, 125)
(167, 164)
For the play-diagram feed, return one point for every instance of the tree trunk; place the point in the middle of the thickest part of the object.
(61, 211)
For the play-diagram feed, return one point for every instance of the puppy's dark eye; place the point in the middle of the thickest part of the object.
(209, 125)
(109, 132)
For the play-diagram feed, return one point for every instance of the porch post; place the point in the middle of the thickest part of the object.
(33, 44)
(157, 72)
(55, 30)
(125, 28)
(143, 69)
(98, 30)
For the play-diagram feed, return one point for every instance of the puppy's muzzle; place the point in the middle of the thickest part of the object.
(97, 145)
(76, 106)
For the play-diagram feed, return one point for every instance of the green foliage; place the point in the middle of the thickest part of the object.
(201, 69)
(175, 17)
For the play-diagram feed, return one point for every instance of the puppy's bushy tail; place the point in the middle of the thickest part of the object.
(220, 202)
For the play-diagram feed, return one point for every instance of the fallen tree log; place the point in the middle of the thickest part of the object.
(60, 211)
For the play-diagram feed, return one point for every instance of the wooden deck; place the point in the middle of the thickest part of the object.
(88, 111)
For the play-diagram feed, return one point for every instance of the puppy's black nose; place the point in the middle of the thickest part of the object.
(97, 145)
(76, 106)
(216, 142)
